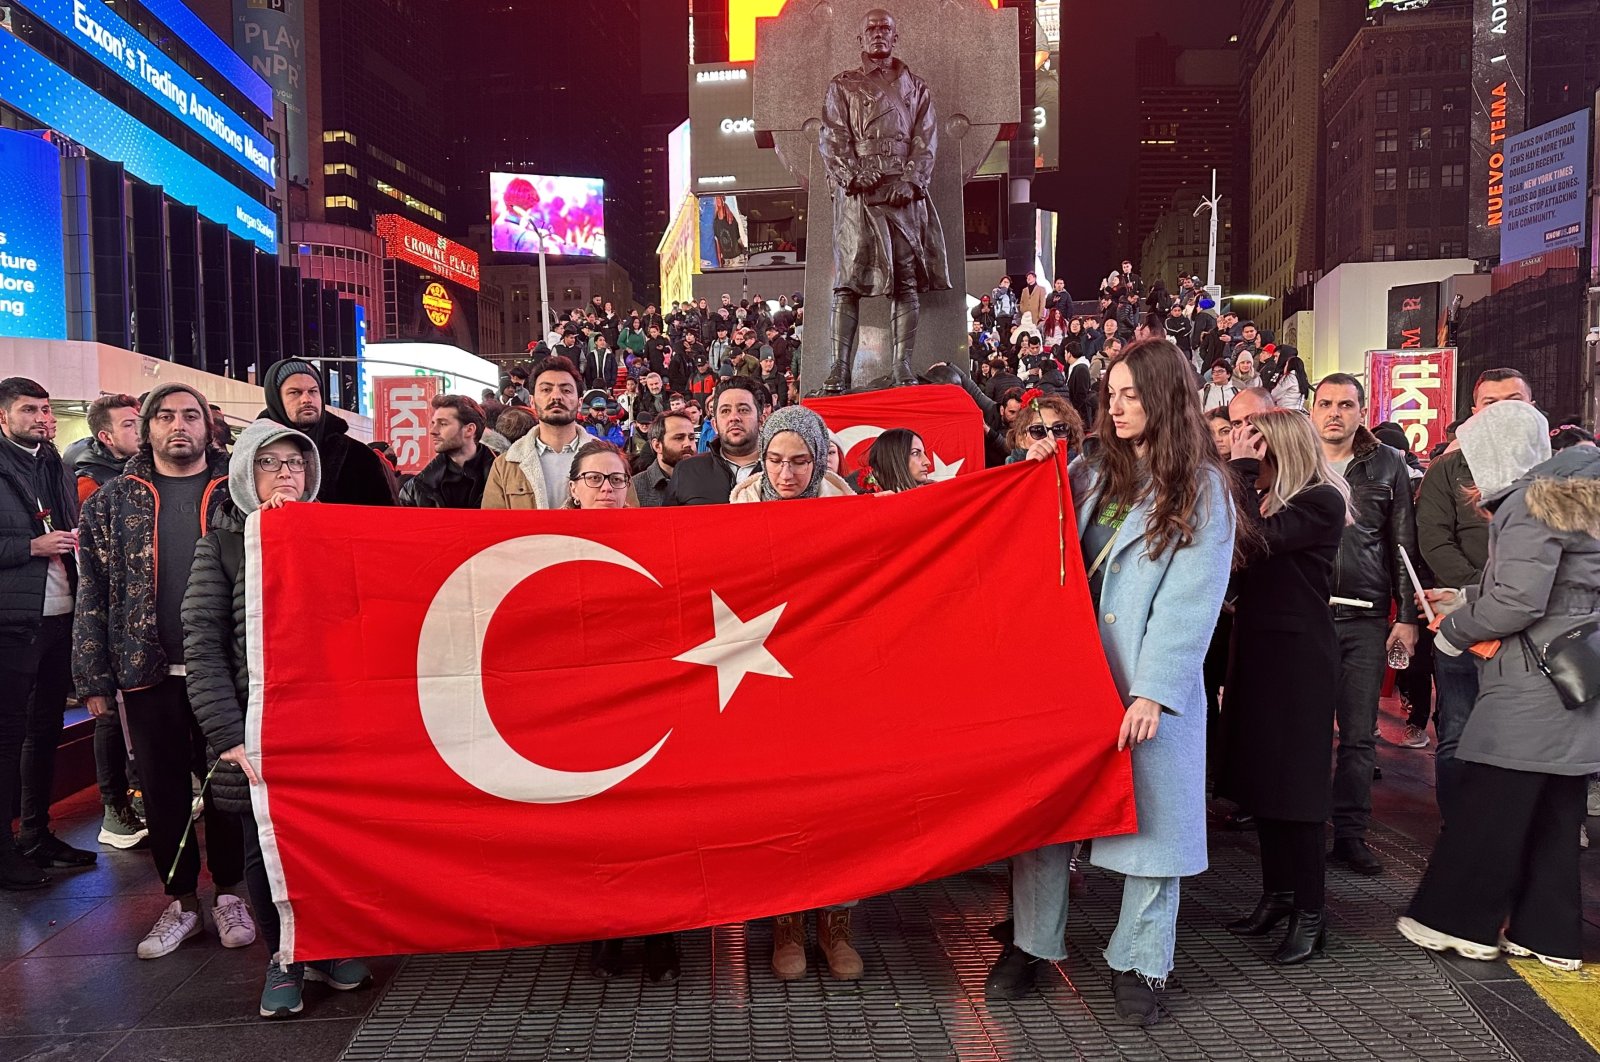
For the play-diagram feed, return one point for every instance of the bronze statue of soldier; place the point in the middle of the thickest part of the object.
(879, 138)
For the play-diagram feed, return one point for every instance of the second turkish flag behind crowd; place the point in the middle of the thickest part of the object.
(943, 414)
(483, 730)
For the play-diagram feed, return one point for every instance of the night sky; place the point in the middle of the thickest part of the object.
(1100, 128)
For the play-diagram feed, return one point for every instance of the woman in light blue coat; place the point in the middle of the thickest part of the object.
(1156, 521)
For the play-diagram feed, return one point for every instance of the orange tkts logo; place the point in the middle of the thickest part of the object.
(436, 303)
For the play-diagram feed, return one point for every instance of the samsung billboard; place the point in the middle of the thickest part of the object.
(1499, 110)
(116, 45)
(722, 135)
(52, 97)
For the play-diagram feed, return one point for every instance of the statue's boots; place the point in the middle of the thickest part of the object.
(903, 318)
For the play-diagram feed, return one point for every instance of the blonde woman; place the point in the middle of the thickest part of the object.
(1278, 708)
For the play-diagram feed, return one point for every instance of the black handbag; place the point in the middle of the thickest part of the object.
(1571, 661)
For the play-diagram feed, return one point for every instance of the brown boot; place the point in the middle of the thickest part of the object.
(789, 947)
(833, 937)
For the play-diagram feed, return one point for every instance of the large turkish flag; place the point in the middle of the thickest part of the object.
(944, 415)
(483, 730)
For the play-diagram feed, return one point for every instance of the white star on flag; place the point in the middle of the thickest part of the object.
(739, 648)
(942, 471)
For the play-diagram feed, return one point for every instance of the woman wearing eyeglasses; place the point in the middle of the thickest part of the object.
(271, 466)
(1044, 417)
(599, 477)
(793, 445)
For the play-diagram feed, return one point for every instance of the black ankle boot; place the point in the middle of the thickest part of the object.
(1308, 932)
(1273, 908)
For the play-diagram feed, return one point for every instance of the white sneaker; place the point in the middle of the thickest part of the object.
(1416, 737)
(1424, 937)
(1566, 965)
(173, 928)
(235, 927)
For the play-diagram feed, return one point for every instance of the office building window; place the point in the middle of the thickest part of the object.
(1383, 179)
(1383, 252)
(1454, 136)
(1387, 101)
(1453, 175)
(333, 202)
(1422, 138)
(1386, 140)
(1418, 177)
(1451, 249)
(1420, 99)
(338, 136)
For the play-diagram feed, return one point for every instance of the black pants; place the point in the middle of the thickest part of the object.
(112, 767)
(1416, 682)
(255, 880)
(1215, 671)
(1292, 860)
(1509, 849)
(168, 744)
(35, 678)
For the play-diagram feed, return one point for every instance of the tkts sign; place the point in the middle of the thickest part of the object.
(1414, 388)
(401, 409)
(409, 242)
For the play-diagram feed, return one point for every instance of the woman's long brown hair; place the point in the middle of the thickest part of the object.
(1179, 452)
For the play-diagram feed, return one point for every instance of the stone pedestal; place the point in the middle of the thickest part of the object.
(966, 51)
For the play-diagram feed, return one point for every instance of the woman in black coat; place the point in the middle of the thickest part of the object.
(1278, 708)
(271, 465)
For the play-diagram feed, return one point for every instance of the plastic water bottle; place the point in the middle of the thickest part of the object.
(1399, 659)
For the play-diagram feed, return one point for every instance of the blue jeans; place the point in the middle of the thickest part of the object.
(1457, 681)
(1147, 928)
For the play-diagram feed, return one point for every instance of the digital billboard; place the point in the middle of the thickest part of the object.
(1499, 110)
(186, 25)
(564, 214)
(407, 241)
(116, 45)
(271, 34)
(33, 302)
(49, 95)
(722, 136)
(764, 229)
(1547, 181)
(742, 15)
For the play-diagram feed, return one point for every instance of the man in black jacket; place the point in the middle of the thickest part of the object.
(454, 479)
(738, 405)
(38, 581)
(1368, 580)
(351, 473)
(1080, 388)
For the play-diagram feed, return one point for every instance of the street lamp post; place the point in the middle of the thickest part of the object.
(1211, 205)
(545, 321)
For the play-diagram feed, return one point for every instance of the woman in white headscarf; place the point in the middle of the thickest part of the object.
(1508, 856)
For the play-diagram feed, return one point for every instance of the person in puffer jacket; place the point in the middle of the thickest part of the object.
(1504, 875)
(272, 465)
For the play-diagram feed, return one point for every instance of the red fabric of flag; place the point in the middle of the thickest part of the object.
(944, 415)
(486, 730)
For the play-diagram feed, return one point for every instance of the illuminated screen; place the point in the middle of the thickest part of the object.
(33, 303)
(566, 213)
(37, 87)
(742, 15)
(102, 33)
(186, 25)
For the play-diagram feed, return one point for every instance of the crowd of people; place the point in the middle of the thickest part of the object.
(1210, 479)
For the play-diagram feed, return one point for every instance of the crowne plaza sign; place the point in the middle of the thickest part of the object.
(406, 241)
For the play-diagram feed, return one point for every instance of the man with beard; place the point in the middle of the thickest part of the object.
(533, 473)
(137, 545)
(455, 478)
(672, 438)
(709, 478)
(351, 473)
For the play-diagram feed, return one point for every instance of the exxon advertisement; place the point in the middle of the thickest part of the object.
(52, 97)
(33, 298)
(1547, 183)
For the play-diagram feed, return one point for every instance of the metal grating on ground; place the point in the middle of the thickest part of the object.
(927, 950)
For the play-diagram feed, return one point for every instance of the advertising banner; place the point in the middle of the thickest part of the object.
(104, 36)
(755, 230)
(400, 415)
(1547, 184)
(1414, 388)
(271, 34)
(1499, 110)
(49, 95)
(409, 242)
(33, 298)
(568, 214)
(1413, 316)
(679, 253)
(723, 136)
(216, 52)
